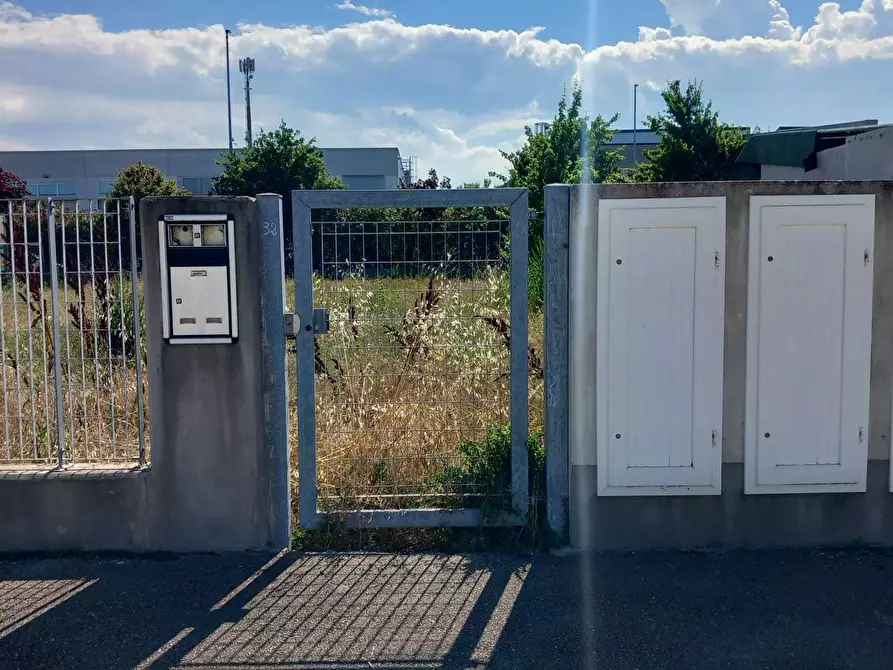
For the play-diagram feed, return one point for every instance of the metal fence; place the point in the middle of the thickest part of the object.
(71, 333)
(412, 393)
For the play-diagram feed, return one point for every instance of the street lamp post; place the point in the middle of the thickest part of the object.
(229, 101)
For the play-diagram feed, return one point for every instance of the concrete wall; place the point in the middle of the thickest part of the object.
(731, 519)
(215, 481)
(85, 168)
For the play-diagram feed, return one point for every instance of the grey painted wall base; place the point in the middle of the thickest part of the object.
(73, 511)
(732, 519)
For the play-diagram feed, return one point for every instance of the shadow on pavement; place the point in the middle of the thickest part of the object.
(648, 610)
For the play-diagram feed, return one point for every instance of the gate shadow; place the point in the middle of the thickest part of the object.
(302, 611)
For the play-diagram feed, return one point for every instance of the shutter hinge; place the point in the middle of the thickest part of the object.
(867, 257)
(714, 438)
(716, 259)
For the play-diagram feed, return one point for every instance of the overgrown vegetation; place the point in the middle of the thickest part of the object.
(486, 465)
(97, 344)
(694, 144)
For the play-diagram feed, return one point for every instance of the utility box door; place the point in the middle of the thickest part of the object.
(808, 343)
(661, 279)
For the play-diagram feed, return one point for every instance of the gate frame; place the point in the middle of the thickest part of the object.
(303, 202)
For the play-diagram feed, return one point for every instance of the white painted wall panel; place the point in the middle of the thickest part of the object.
(659, 348)
(808, 343)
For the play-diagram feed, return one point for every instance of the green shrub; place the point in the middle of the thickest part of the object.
(485, 467)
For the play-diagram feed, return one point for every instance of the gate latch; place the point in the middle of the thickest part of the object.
(319, 325)
(320, 321)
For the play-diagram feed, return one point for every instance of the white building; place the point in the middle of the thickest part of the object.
(857, 150)
(90, 173)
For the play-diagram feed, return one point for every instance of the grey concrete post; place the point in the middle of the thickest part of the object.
(212, 473)
(556, 320)
(275, 387)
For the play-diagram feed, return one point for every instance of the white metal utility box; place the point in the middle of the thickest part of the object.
(198, 278)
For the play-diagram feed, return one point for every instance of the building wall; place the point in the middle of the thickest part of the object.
(782, 172)
(91, 171)
(730, 519)
(865, 156)
(632, 154)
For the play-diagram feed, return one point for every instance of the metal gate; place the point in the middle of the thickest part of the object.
(71, 340)
(412, 356)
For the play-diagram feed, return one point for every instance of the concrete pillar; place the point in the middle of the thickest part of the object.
(215, 483)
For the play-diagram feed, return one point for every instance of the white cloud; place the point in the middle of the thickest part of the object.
(832, 24)
(780, 26)
(690, 14)
(451, 96)
(720, 18)
(363, 9)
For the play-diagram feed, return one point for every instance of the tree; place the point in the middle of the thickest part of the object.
(431, 182)
(694, 144)
(142, 180)
(573, 150)
(11, 186)
(278, 162)
(557, 156)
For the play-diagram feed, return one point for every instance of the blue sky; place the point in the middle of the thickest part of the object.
(451, 82)
(618, 22)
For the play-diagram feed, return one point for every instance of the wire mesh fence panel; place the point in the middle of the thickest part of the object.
(71, 333)
(413, 377)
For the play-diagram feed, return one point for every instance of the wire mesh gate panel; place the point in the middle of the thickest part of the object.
(71, 341)
(412, 356)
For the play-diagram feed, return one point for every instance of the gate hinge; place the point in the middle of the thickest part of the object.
(861, 434)
(867, 257)
(320, 320)
(292, 324)
(714, 438)
(716, 259)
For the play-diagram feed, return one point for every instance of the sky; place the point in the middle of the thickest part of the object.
(450, 83)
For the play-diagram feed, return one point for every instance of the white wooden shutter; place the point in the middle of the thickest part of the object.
(661, 279)
(808, 343)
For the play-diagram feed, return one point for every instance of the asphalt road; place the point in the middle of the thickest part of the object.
(780, 609)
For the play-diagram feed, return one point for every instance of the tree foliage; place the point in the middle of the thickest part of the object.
(11, 186)
(279, 161)
(431, 182)
(694, 144)
(573, 143)
(142, 180)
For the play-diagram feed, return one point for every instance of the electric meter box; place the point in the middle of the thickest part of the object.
(198, 278)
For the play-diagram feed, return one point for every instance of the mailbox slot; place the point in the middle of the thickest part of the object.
(198, 278)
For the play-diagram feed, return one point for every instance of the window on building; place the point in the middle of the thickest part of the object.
(103, 186)
(62, 189)
(197, 185)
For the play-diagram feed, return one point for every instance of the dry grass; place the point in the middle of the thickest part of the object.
(99, 395)
(410, 369)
